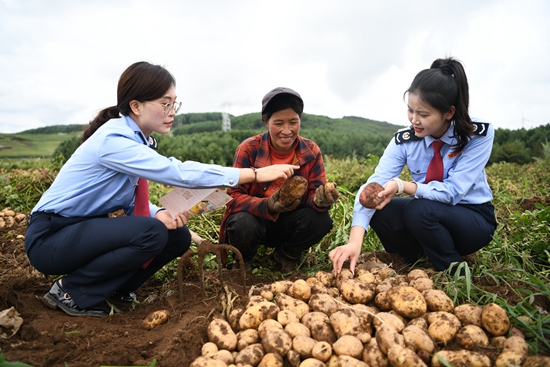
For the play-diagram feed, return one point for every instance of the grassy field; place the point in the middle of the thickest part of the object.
(30, 145)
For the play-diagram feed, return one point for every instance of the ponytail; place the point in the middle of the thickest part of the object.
(444, 85)
(102, 117)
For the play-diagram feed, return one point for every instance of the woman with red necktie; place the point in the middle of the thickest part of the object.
(447, 211)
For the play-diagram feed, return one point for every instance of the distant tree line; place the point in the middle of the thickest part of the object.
(198, 137)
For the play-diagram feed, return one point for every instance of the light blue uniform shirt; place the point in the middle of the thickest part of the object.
(102, 174)
(464, 179)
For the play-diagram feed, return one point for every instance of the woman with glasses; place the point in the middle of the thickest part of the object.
(70, 231)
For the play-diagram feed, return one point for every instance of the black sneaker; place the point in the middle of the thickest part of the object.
(57, 297)
(126, 298)
(287, 264)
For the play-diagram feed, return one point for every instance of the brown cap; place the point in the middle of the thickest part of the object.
(275, 92)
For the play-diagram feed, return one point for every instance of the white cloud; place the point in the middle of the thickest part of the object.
(60, 62)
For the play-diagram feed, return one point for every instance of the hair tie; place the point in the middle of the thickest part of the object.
(447, 70)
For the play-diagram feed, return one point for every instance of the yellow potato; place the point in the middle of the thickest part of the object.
(386, 318)
(345, 322)
(209, 349)
(437, 300)
(416, 274)
(517, 344)
(471, 336)
(537, 361)
(286, 302)
(300, 290)
(443, 326)
(322, 332)
(407, 301)
(348, 345)
(293, 358)
(303, 345)
(386, 337)
(221, 334)
(314, 316)
(311, 281)
(285, 317)
(250, 336)
(468, 314)
(495, 320)
(323, 303)
(312, 362)
(460, 358)
(267, 325)
(251, 355)
(422, 284)
(419, 322)
(510, 358)
(224, 355)
(252, 317)
(326, 278)
(155, 319)
(280, 286)
(234, 317)
(417, 339)
(321, 351)
(354, 291)
(271, 360)
(254, 300)
(366, 277)
(343, 275)
(382, 301)
(404, 357)
(348, 361)
(207, 362)
(295, 329)
(277, 341)
(373, 356)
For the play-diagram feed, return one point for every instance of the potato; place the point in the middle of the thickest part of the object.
(311, 281)
(322, 332)
(314, 316)
(321, 351)
(460, 358)
(437, 300)
(333, 361)
(357, 292)
(510, 358)
(221, 334)
(300, 290)
(323, 303)
(383, 287)
(364, 337)
(366, 277)
(348, 345)
(422, 284)
(254, 300)
(348, 361)
(516, 344)
(293, 358)
(267, 325)
(155, 319)
(280, 286)
(326, 278)
(251, 355)
(495, 320)
(345, 322)
(471, 336)
(443, 326)
(385, 318)
(537, 361)
(271, 360)
(407, 301)
(251, 336)
(417, 274)
(498, 342)
(303, 345)
(373, 356)
(468, 314)
(366, 315)
(312, 362)
(382, 301)
(404, 357)
(295, 328)
(277, 341)
(386, 337)
(286, 302)
(417, 339)
(224, 355)
(209, 349)
(369, 196)
(419, 322)
(252, 317)
(318, 289)
(285, 317)
(234, 317)
(268, 295)
(207, 362)
(342, 276)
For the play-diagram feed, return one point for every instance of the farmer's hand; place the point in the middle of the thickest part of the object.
(275, 205)
(326, 195)
(179, 221)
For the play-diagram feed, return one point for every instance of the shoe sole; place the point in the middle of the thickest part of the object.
(53, 303)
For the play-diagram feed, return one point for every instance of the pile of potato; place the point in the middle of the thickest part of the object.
(371, 318)
(8, 218)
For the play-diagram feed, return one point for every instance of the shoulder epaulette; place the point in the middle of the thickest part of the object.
(153, 143)
(405, 135)
(480, 128)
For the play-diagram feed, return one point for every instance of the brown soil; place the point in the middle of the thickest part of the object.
(52, 338)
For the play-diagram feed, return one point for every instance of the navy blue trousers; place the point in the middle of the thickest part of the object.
(101, 255)
(291, 233)
(415, 228)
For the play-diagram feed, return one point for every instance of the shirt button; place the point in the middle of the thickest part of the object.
(231, 182)
(420, 196)
(417, 171)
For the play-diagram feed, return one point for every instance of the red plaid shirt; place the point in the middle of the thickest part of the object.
(249, 197)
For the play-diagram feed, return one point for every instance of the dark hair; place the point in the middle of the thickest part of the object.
(282, 102)
(141, 81)
(444, 85)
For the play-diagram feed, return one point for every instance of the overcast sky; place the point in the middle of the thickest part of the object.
(60, 60)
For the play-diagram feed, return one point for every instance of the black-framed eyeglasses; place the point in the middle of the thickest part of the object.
(168, 107)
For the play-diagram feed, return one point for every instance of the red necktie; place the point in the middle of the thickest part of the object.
(141, 205)
(435, 168)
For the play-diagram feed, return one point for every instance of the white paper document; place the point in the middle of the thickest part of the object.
(195, 201)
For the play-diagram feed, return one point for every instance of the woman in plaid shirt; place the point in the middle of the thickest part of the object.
(255, 216)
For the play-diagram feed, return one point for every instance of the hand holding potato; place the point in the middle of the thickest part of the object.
(326, 195)
(288, 197)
